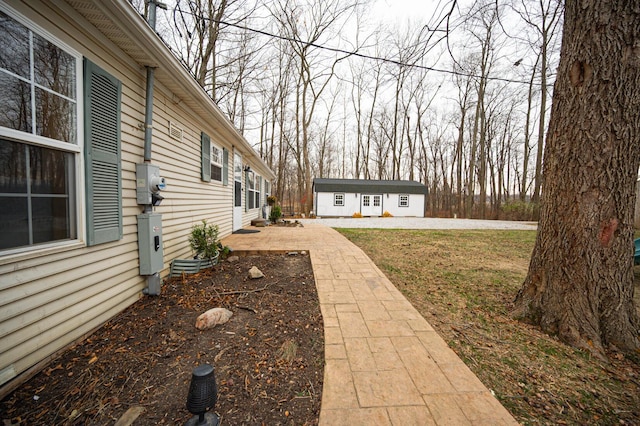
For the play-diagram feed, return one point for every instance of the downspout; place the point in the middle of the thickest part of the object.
(148, 115)
(150, 250)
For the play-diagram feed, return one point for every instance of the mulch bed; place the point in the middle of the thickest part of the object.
(268, 359)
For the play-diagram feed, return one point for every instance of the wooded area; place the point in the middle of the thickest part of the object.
(324, 88)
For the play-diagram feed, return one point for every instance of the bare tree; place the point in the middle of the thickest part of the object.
(543, 16)
(305, 26)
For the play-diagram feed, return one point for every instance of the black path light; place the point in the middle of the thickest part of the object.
(203, 394)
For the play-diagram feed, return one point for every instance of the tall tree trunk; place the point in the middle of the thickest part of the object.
(526, 150)
(580, 280)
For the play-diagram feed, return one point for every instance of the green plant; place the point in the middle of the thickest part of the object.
(204, 240)
(271, 200)
(276, 213)
(224, 250)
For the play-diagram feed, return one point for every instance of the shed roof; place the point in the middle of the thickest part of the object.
(369, 186)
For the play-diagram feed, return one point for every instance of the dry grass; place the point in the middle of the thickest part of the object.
(463, 283)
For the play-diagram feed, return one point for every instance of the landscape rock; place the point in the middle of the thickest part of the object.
(232, 259)
(255, 273)
(213, 317)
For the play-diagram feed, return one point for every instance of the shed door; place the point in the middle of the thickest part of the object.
(371, 205)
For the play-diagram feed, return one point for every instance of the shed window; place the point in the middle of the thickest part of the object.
(338, 199)
(403, 201)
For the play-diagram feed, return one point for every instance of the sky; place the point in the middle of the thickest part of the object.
(391, 11)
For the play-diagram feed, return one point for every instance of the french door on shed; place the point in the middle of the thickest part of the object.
(371, 205)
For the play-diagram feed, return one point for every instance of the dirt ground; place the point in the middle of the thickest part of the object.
(268, 359)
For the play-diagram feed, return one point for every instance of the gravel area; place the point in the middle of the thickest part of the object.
(420, 223)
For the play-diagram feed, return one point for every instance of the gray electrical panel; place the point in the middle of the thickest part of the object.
(150, 243)
(149, 184)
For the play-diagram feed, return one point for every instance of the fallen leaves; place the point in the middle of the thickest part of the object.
(145, 355)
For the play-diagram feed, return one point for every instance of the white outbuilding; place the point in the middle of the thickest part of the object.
(345, 197)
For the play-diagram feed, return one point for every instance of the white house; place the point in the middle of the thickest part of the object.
(102, 175)
(344, 197)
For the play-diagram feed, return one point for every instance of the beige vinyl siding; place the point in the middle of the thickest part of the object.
(49, 298)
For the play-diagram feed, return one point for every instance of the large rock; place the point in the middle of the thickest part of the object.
(255, 273)
(212, 318)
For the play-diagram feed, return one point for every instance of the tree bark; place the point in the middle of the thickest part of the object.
(580, 280)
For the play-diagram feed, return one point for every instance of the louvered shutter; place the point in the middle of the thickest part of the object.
(225, 166)
(102, 95)
(206, 156)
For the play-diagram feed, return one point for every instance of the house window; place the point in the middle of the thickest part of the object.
(366, 200)
(253, 188)
(39, 150)
(403, 201)
(338, 199)
(256, 194)
(267, 190)
(216, 163)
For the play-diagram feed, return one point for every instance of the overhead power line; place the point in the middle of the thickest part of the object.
(358, 54)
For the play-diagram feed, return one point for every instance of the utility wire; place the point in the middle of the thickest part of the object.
(356, 53)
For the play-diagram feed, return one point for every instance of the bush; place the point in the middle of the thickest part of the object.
(276, 213)
(356, 215)
(386, 214)
(204, 240)
(271, 200)
(520, 210)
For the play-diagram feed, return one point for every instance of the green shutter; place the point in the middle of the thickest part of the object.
(206, 156)
(259, 194)
(247, 191)
(102, 94)
(225, 166)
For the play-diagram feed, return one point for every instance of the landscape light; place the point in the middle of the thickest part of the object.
(202, 397)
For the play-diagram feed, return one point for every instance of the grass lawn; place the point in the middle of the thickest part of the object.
(464, 283)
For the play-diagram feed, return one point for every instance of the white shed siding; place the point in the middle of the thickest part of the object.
(324, 204)
(51, 297)
(390, 203)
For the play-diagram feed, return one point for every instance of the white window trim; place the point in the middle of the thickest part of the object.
(253, 189)
(400, 204)
(220, 155)
(77, 149)
(335, 199)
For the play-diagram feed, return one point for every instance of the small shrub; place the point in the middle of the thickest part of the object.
(356, 215)
(224, 250)
(204, 240)
(520, 210)
(386, 214)
(276, 213)
(271, 200)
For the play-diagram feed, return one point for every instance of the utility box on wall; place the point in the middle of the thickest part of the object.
(149, 184)
(150, 243)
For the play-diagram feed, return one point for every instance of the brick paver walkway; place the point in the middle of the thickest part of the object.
(384, 363)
